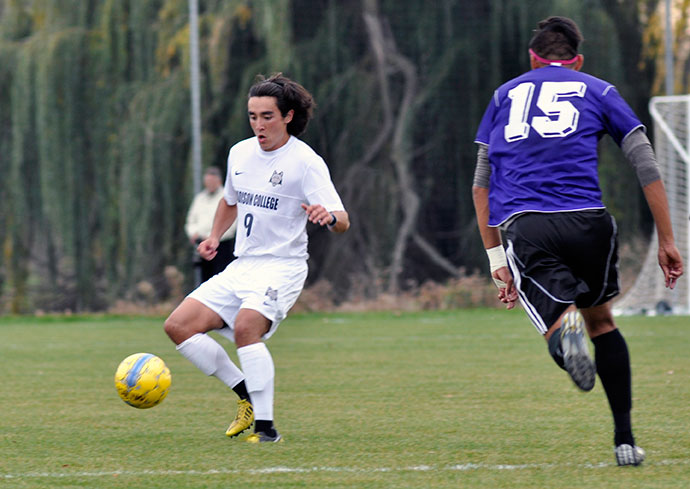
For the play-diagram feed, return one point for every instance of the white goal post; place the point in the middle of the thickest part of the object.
(671, 116)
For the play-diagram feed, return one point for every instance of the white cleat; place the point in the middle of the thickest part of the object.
(576, 357)
(629, 455)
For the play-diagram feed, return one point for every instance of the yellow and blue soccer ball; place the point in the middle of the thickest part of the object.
(142, 380)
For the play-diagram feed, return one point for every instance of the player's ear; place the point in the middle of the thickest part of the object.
(534, 64)
(289, 116)
(580, 61)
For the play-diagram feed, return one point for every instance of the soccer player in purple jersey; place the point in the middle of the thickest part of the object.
(536, 180)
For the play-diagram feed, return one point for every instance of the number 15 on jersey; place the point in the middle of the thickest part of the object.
(561, 116)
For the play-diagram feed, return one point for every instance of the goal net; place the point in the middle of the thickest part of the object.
(648, 295)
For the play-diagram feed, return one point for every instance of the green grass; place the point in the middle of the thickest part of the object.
(455, 399)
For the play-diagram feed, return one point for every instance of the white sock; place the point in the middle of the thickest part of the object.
(211, 358)
(259, 371)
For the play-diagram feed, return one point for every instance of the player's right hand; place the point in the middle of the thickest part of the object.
(506, 287)
(208, 248)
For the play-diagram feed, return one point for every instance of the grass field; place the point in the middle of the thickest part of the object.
(461, 399)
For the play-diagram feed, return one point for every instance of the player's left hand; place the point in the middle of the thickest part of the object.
(671, 264)
(318, 214)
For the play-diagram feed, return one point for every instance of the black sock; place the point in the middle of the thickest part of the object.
(241, 390)
(613, 366)
(624, 434)
(265, 426)
(555, 348)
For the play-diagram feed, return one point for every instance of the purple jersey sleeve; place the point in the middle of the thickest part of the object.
(618, 118)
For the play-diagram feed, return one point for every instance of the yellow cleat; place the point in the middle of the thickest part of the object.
(262, 437)
(243, 419)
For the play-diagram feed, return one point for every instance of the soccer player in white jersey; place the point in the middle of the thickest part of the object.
(536, 179)
(275, 184)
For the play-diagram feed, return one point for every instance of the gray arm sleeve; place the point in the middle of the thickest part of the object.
(482, 172)
(638, 150)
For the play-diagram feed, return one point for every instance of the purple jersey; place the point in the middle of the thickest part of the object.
(542, 129)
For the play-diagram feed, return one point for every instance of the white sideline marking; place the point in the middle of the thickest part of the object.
(307, 470)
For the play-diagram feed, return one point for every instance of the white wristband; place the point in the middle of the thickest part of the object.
(497, 259)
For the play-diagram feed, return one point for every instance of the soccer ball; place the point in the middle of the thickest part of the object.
(142, 380)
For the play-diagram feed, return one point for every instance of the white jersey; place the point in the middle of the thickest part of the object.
(268, 188)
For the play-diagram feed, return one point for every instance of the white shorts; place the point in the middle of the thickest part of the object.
(269, 285)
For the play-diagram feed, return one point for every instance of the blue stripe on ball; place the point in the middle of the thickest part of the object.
(134, 372)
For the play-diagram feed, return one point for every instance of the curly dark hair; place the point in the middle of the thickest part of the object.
(289, 95)
(556, 38)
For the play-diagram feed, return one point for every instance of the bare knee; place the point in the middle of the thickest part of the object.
(246, 334)
(175, 329)
(189, 318)
(249, 327)
(599, 327)
(599, 320)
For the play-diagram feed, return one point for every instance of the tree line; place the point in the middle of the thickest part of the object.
(95, 128)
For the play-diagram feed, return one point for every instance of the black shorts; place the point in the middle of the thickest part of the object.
(563, 258)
